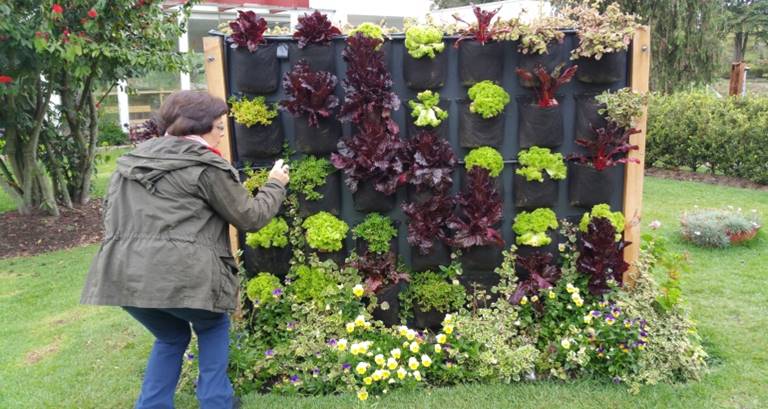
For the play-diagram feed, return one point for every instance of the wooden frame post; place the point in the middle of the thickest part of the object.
(633, 176)
(217, 86)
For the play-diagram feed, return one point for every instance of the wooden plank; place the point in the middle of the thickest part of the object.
(736, 84)
(213, 48)
(633, 176)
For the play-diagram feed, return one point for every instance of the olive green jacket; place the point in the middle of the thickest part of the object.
(166, 238)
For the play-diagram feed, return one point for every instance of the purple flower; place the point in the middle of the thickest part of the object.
(291, 325)
(316, 372)
(643, 334)
(332, 342)
(346, 366)
(294, 378)
(287, 281)
(190, 356)
(277, 292)
(596, 313)
(269, 353)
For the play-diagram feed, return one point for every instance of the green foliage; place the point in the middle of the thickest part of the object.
(715, 227)
(261, 289)
(309, 174)
(696, 129)
(426, 110)
(536, 36)
(531, 227)
(487, 158)
(623, 106)
(369, 30)
(424, 41)
(255, 179)
(325, 232)
(601, 33)
(377, 231)
(535, 160)
(603, 210)
(311, 283)
(663, 261)
(430, 290)
(488, 99)
(111, 133)
(274, 234)
(249, 112)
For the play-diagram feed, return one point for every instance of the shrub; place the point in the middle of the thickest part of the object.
(488, 99)
(531, 227)
(263, 289)
(325, 232)
(718, 227)
(601, 33)
(424, 41)
(535, 160)
(111, 133)
(429, 290)
(623, 106)
(426, 110)
(309, 174)
(248, 30)
(274, 234)
(250, 112)
(309, 93)
(315, 28)
(486, 158)
(377, 231)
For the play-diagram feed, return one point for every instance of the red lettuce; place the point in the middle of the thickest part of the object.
(309, 93)
(481, 211)
(431, 161)
(147, 130)
(609, 148)
(542, 274)
(601, 257)
(427, 221)
(483, 31)
(548, 83)
(379, 270)
(315, 28)
(368, 94)
(248, 30)
(373, 155)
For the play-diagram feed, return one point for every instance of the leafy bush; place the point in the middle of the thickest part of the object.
(536, 36)
(548, 84)
(249, 112)
(603, 210)
(601, 33)
(430, 162)
(377, 231)
(601, 257)
(309, 93)
(369, 30)
(488, 99)
(429, 290)
(255, 179)
(147, 130)
(718, 227)
(426, 110)
(531, 227)
(263, 289)
(248, 30)
(311, 283)
(543, 274)
(424, 41)
(480, 209)
(309, 174)
(623, 106)
(111, 133)
(427, 221)
(535, 160)
(315, 28)
(325, 232)
(274, 234)
(486, 158)
(608, 149)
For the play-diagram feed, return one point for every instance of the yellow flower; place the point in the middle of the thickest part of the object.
(385, 374)
(448, 319)
(410, 335)
(579, 302)
(535, 298)
(413, 363)
(401, 373)
(342, 344)
(566, 343)
(524, 300)
(360, 321)
(448, 329)
(362, 394)
(367, 325)
(551, 295)
(350, 327)
(441, 338)
(417, 375)
(358, 290)
(355, 348)
(403, 330)
(367, 380)
(391, 363)
(379, 359)
(438, 348)
(414, 347)
(395, 353)
(588, 319)
(405, 344)
(426, 361)
(362, 367)
(571, 289)
(376, 375)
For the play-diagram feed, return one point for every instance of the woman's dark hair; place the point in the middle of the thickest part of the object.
(190, 113)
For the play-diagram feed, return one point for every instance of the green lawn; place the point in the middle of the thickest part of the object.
(55, 353)
(104, 167)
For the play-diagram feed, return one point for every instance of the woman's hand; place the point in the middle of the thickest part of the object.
(280, 172)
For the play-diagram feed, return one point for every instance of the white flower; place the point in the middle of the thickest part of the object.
(698, 233)
(384, 306)
(426, 361)
(414, 347)
(358, 290)
(438, 348)
(417, 375)
(413, 363)
(360, 321)
(391, 363)
(566, 343)
(654, 224)
(362, 367)
(410, 335)
(441, 338)
(561, 247)
(379, 359)
(395, 353)
(401, 373)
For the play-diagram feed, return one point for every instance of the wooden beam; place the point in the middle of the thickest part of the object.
(215, 75)
(738, 69)
(633, 176)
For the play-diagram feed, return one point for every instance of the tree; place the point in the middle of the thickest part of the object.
(445, 4)
(746, 18)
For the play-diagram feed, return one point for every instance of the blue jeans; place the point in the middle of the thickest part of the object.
(171, 328)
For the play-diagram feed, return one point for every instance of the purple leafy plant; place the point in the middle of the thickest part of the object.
(601, 257)
(315, 28)
(427, 221)
(248, 30)
(608, 149)
(379, 270)
(431, 161)
(480, 211)
(483, 31)
(542, 274)
(309, 93)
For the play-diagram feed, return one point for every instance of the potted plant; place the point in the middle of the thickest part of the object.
(383, 278)
(426, 114)
(430, 166)
(591, 178)
(622, 107)
(719, 228)
(532, 229)
(374, 32)
(486, 158)
(541, 121)
(474, 227)
(601, 257)
(603, 42)
(260, 289)
(318, 186)
(427, 232)
(603, 210)
(250, 49)
(375, 234)
(258, 129)
(314, 34)
(540, 43)
(373, 165)
(480, 57)
(482, 117)
(311, 99)
(425, 65)
(536, 177)
(267, 249)
(325, 233)
(432, 296)
(537, 272)
(588, 117)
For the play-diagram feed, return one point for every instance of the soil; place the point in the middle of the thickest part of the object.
(35, 234)
(705, 178)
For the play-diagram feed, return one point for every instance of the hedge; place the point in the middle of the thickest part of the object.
(696, 129)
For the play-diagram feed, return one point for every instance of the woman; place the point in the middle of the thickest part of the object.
(166, 258)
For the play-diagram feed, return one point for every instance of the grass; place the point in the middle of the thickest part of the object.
(105, 165)
(56, 353)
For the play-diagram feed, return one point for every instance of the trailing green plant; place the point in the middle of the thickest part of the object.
(255, 179)
(487, 158)
(603, 210)
(536, 37)
(488, 99)
(424, 41)
(263, 289)
(535, 161)
(719, 227)
(250, 112)
(369, 30)
(274, 234)
(601, 33)
(531, 227)
(426, 110)
(309, 174)
(623, 107)
(662, 261)
(429, 290)
(377, 231)
(325, 232)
